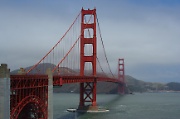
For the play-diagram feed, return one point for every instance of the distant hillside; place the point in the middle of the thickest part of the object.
(41, 69)
(142, 86)
(173, 86)
(133, 85)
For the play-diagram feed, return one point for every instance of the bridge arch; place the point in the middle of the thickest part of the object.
(30, 101)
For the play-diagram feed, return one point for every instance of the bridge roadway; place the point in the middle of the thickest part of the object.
(28, 81)
(60, 80)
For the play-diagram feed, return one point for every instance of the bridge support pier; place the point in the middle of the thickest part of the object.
(50, 93)
(4, 92)
(88, 95)
(121, 89)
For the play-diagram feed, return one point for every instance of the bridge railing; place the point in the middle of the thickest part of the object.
(60, 80)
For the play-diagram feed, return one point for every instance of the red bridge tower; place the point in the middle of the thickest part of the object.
(88, 89)
(121, 76)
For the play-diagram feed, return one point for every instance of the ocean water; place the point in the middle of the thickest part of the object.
(137, 106)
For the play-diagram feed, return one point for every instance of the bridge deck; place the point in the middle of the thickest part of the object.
(16, 80)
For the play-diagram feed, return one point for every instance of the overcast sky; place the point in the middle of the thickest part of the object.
(146, 33)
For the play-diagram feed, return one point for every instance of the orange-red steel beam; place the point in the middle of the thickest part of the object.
(60, 80)
(88, 89)
(28, 91)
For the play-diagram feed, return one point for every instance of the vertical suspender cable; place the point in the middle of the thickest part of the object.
(104, 47)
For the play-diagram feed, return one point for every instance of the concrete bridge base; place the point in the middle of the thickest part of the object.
(4, 92)
(91, 109)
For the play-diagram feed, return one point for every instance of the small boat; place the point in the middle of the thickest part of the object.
(71, 110)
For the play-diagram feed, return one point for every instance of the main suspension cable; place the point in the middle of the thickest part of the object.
(104, 47)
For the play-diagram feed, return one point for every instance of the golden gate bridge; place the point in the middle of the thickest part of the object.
(81, 49)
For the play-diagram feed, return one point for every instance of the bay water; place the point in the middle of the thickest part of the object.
(136, 106)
